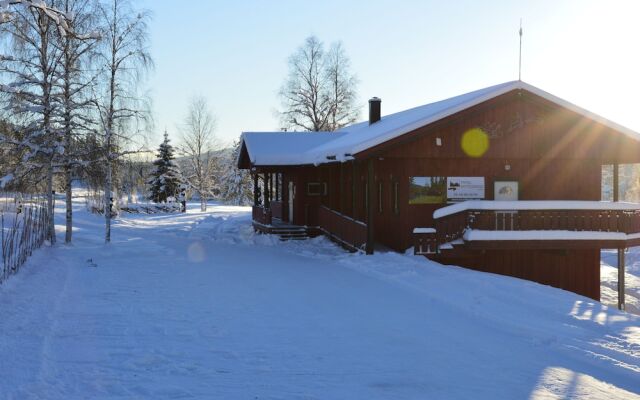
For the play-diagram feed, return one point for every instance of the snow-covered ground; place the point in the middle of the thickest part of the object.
(198, 306)
(609, 279)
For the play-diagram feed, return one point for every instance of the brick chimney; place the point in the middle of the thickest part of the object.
(374, 110)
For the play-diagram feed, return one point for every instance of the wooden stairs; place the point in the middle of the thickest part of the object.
(291, 233)
(284, 230)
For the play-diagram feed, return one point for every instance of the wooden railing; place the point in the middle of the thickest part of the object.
(623, 221)
(425, 241)
(452, 227)
(346, 230)
(261, 215)
(276, 209)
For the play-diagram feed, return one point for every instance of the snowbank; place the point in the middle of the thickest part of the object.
(199, 306)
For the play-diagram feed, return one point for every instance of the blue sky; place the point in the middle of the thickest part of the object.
(409, 53)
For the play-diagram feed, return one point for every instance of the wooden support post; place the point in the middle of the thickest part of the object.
(255, 189)
(277, 187)
(267, 191)
(341, 190)
(621, 268)
(616, 182)
(353, 189)
(370, 195)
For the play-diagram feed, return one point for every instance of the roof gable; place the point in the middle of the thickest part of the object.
(285, 148)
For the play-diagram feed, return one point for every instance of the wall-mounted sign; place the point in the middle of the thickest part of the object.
(427, 190)
(505, 190)
(465, 188)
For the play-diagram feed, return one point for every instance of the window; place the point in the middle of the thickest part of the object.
(380, 197)
(396, 202)
(427, 190)
(316, 189)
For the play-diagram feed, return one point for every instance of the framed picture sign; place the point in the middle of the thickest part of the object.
(505, 190)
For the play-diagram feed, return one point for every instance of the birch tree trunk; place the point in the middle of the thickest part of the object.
(68, 206)
(51, 204)
(47, 71)
(107, 203)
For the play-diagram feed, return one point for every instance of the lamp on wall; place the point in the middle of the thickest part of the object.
(438, 141)
(507, 166)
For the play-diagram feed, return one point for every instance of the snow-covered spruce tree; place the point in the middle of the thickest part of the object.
(165, 179)
(123, 58)
(236, 185)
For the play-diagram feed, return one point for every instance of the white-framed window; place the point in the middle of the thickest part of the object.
(316, 189)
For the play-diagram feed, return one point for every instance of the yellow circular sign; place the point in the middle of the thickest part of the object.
(475, 142)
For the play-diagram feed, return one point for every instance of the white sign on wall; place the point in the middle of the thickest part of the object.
(465, 188)
(505, 190)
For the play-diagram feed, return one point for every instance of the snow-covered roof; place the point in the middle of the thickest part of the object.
(284, 148)
(280, 148)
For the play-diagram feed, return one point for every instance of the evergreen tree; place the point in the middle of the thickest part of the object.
(166, 178)
(236, 184)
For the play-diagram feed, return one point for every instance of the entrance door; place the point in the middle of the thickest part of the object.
(292, 196)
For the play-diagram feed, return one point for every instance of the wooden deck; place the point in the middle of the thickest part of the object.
(538, 229)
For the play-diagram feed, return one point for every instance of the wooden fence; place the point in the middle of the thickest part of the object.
(22, 231)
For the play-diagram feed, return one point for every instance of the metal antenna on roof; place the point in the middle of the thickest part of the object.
(520, 55)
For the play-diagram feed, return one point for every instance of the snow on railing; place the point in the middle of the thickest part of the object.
(495, 205)
(537, 220)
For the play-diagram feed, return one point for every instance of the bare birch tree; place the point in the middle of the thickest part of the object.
(197, 144)
(74, 81)
(125, 57)
(319, 93)
(341, 89)
(31, 70)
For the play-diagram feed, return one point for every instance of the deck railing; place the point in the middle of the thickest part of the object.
(451, 226)
(344, 229)
(261, 215)
(623, 221)
(276, 209)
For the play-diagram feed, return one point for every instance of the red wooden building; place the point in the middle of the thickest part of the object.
(506, 179)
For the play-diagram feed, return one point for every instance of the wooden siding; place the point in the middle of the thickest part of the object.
(575, 270)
